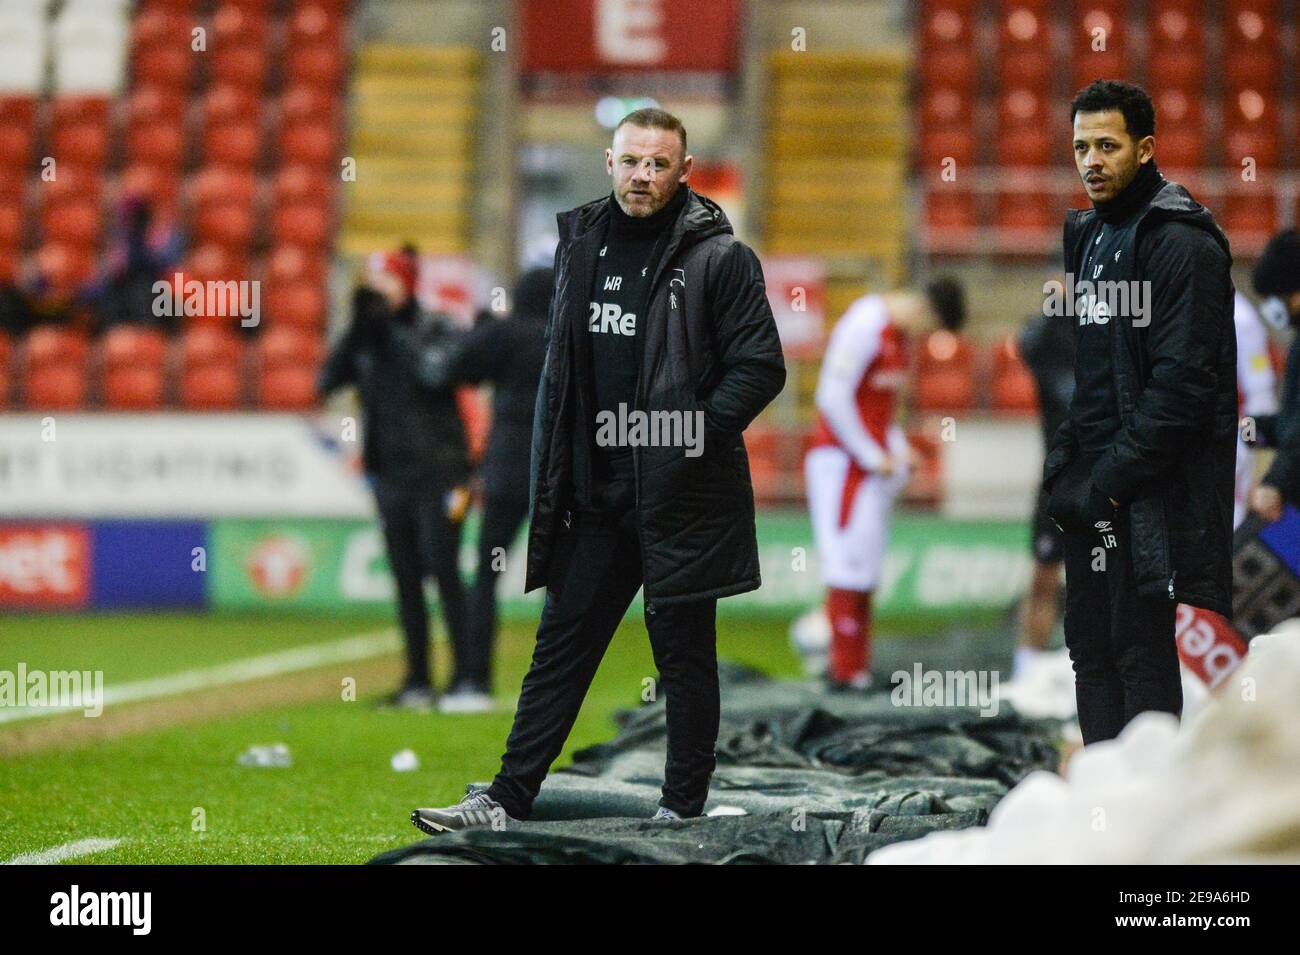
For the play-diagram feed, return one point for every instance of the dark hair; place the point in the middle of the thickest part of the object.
(1131, 100)
(653, 118)
(1278, 270)
(948, 300)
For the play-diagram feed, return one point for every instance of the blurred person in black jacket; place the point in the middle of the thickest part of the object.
(509, 354)
(1046, 345)
(1276, 280)
(415, 454)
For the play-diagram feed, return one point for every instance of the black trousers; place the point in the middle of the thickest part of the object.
(597, 574)
(1122, 645)
(502, 518)
(423, 541)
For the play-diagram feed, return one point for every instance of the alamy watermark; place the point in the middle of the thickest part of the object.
(921, 687)
(190, 298)
(58, 689)
(653, 429)
(1096, 303)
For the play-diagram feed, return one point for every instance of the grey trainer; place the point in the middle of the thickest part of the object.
(475, 810)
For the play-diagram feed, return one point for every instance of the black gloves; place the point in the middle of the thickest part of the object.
(1077, 506)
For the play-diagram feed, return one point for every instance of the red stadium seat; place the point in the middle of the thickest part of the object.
(54, 368)
(83, 143)
(52, 345)
(293, 263)
(66, 110)
(1013, 388)
(1099, 24)
(310, 143)
(16, 145)
(210, 359)
(300, 304)
(945, 374)
(233, 144)
(308, 103)
(944, 23)
(302, 223)
(1024, 45)
(160, 185)
(1020, 210)
(942, 143)
(950, 210)
(948, 105)
(154, 103)
(74, 221)
(1251, 124)
(230, 103)
(60, 387)
(317, 64)
(126, 345)
(65, 267)
(1176, 54)
(12, 225)
(17, 109)
(1253, 212)
(298, 183)
(211, 388)
(203, 345)
(157, 26)
(165, 65)
(940, 65)
(157, 143)
(283, 345)
(240, 66)
(133, 362)
(1252, 56)
(134, 388)
(288, 388)
(215, 263)
(315, 23)
(287, 363)
(216, 185)
(228, 224)
(239, 25)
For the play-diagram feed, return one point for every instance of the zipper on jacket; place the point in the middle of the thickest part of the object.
(1172, 575)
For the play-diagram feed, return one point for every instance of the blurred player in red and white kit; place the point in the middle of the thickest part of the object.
(859, 459)
(1256, 392)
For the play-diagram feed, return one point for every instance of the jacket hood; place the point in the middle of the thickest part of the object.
(1172, 202)
(700, 218)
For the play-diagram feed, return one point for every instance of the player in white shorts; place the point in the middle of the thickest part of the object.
(1256, 392)
(859, 458)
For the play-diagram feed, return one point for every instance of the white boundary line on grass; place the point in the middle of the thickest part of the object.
(359, 647)
(69, 850)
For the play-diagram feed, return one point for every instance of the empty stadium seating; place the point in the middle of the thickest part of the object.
(225, 116)
(1212, 122)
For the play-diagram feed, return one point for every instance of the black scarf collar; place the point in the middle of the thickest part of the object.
(1133, 196)
(653, 224)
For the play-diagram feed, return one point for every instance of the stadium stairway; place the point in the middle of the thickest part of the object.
(415, 115)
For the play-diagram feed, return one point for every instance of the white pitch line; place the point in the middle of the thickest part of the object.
(69, 850)
(359, 647)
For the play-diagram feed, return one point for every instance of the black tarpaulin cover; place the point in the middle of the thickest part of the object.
(819, 778)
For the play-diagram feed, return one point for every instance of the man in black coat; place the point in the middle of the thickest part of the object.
(415, 455)
(661, 349)
(1141, 474)
(509, 354)
(1277, 281)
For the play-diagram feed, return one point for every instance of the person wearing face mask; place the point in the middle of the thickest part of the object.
(1276, 280)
